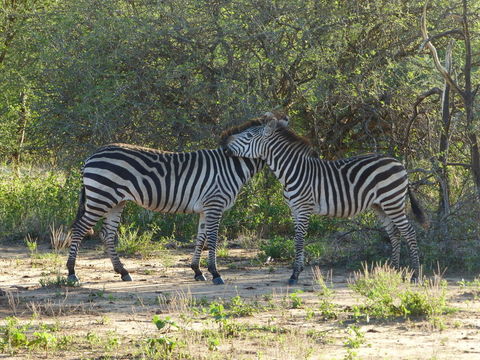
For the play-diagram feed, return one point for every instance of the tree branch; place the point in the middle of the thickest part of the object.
(468, 166)
(438, 36)
(434, 53)
(420, 98)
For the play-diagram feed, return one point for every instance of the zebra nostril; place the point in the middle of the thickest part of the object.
(227, 151)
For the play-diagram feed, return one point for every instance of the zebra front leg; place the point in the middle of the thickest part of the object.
(212, 223)
(301, 225)
(201, 238)
(108, 233)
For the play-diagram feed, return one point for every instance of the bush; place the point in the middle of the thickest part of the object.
(278, 248)
(388, 294)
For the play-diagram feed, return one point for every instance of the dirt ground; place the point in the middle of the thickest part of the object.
(108, 318)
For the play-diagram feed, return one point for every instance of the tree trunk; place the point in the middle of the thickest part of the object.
(21, 128)
(444, 185)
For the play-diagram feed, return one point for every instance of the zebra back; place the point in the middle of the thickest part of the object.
(163, 181)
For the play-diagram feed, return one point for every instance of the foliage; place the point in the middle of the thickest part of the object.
(14, 336)
(59, 281)
(388, 294)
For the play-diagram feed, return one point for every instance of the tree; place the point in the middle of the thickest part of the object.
(467, 93)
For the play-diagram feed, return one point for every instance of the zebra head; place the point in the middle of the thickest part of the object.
(251, 139)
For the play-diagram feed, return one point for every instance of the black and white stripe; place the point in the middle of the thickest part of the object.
(341, 188)
(204, 182)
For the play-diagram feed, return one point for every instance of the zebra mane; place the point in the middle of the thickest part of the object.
(238, 129)
(260, 121)
(293, 138)
(133, 147)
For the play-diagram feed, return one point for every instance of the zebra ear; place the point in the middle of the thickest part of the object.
(270, 127)
(284, 122)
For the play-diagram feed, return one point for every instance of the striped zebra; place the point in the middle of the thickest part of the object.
(340, 188)
(204, 182)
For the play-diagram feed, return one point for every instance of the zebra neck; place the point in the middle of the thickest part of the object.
(284, 160)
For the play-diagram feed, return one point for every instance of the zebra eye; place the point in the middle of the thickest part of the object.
(249, 136)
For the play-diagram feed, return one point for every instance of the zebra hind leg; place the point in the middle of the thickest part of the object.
(393, 234)
(201, 239)
(408, 232)
(108, 234)
(82, 225)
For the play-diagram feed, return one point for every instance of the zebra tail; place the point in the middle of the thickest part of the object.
(81, 208)
(419, 213)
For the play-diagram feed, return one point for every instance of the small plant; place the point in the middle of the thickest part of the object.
(213, 343)
(237, 307)
(133, 242)
(296, 300)
(60, 237)
(473, 286)
(31, 244)
(164, 324)
(354, 341)
(218, 312)
(44, 340)
(59, 281)
(13, 335)
(327, 308)
(222, 251)
(320, 285)
(161, 347)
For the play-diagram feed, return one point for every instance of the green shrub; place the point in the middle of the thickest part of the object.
(278, 248)
(388, 294)
(133, 242)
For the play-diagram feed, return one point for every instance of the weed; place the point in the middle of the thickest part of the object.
(296, 300)
(104, 320)
(473, 286)
(222, 251)
(389, 295)
(133, 242)
(217, 311)
(31, 244)
(160, 347)
(43, 340)
(238, 307)
(354, 341)
(213, 343)
(13, 335)
(60, 237)
(164, 324)
(59, 281)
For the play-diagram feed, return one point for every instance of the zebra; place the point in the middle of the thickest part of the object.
(206, 182)
(341, 188)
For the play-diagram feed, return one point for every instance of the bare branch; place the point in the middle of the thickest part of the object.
(445, 33)
(434, 53)
(420, 98)
(468, 166)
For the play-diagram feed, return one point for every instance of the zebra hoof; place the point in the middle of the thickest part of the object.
(292, 282)
(73, 279)
(218, 281)
(200, 277)
(126, 277)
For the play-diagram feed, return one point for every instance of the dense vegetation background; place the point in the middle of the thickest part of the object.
(355, 76)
